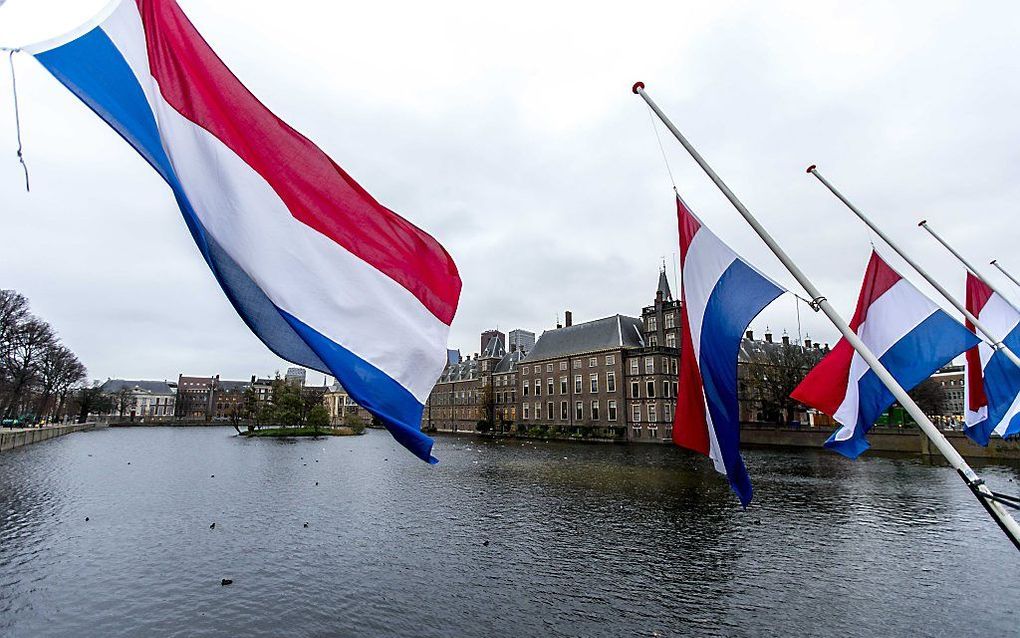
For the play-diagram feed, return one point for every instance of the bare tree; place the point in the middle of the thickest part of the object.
(930, 396)
(28, 343)
(770, 375)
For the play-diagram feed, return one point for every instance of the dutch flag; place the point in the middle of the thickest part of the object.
(321, 272)
(909, 334)
(992, 386)
(720, 295)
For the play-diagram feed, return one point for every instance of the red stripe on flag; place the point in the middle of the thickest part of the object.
(978, 294)
(689, 226)
(690, 423)
(196, 83)
(878, 278)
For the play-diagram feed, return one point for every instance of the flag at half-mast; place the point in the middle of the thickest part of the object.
(991, 380)
(322, 273)
(909, 334)
(720, 295)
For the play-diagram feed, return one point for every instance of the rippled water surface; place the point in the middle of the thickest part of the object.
(500, 539)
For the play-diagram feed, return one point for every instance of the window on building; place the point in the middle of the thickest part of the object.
(653, 323)
(537, 369)
(549, 410)
(666, 386)
(538, 387)
(548, 367)
(611, 381)
(526, 412)
(651, 413)
(653, 340)
(637, 431)
(564, 411)
(563, 365)
(674, 389)
(610, 359)
(636, 414)
(649, 365)
(635, 389)
(669, 320)
(578, 411)
(653, 431)
(563, 385)
(485, 366)
(671, 340)
(650, 388)
(592, 362)
(577, 384)
(634, 366)
(593, 381)
(525, 388)
(611, 409)
(550, 386)
(577, 364)
(594, 410)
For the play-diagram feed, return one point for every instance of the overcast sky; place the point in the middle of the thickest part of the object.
(510, 133)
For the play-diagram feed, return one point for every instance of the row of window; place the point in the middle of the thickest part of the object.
(667, 365)
(593, 385)
(669, 389)
(579, 413)
(578, 364)
(668, 321)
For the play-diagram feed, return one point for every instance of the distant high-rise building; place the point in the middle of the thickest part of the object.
(521, 340)
(296, 376)
(489, 334)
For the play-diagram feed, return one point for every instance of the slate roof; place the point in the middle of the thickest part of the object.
(463, 371)
(234, 386)
(664, 287)
(509, 362)
(494, 349)
(750, 350)
(113, 386)
(602, 334)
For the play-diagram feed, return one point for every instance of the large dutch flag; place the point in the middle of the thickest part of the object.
(992, 381)
(909, 334)
(720, 295)
(324, 274)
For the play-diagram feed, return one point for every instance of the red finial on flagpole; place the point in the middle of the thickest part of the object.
(637, 86)
(812, 167)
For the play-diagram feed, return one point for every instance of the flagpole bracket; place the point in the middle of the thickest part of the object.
(816, 303)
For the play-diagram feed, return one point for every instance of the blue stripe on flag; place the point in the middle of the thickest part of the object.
(93, 69)
(739, 295)
(1002, 385)
(911, 360)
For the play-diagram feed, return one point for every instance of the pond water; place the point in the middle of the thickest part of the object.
(502, 538)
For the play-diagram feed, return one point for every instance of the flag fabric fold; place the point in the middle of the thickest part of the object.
(321, 272)
(991, 380)
(720, 295)
(909, 334)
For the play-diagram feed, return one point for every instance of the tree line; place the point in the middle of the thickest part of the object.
(40, 377)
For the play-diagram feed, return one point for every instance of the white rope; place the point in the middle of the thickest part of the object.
(17, 117)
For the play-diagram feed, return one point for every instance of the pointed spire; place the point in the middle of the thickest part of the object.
(667, 295)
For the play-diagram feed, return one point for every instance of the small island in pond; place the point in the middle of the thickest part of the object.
(290, 411)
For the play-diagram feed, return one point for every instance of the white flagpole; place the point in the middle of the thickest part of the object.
(1006, 522)
(966, 264)
(995, 262)
(995, 340)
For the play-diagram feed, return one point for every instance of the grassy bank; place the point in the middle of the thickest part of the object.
(342, 430)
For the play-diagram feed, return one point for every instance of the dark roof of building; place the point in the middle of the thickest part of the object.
(234, 386)
(509, 362)
(463, 371)
(494, 349)
(752, 349)
(664, 287)
(113, 386)
(618, 331)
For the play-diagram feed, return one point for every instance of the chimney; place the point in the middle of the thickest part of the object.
(768, 336)
(807, 342)
(750, 335)
(786, 340)
(568, 318)
(818, 348)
